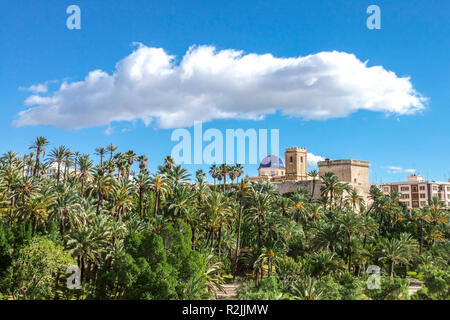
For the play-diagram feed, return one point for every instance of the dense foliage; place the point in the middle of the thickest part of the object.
(163, 235)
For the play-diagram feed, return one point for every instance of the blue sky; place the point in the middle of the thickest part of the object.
(413, 42)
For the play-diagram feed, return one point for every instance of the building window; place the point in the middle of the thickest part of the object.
(422, 195)
(301, 159)
(422, 188)
(414, 188)
(386, 189)
(405, 196)
(435, 188)
(404, 188)
(291, 159)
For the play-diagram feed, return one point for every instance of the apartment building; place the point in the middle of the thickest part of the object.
(417, 193)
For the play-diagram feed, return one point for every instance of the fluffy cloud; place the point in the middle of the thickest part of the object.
(36, 88)
(313, 159)
(208, 84)
(397, 170)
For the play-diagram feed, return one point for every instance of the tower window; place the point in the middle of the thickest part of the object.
(301, 159)
(290, 159)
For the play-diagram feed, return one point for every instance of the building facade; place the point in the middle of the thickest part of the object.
(417, 193)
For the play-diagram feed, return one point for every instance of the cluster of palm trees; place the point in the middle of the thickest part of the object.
(223, 171)
(246, 229)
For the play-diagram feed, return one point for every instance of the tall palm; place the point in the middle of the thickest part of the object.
(57, 155)
(68, 162)
(143, 185)
(330, 186)
(39, 146)
(239, 170)
(129, 156)
(142, 162)
(85, 167)
(313, 174)
(76, 157)
(102, 186)
(101, 151)
(169, 162)
(213, 171)
(160, 186)
(224, 170)
(350, 224)
(111, 149)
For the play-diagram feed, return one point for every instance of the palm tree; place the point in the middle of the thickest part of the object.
(241, 191)
(85, 166)
(239, 170)
(200, 176)
(261, 204)
(178, 175)
(129, 156)
(68, 162)
(396, 250)
(213, 171)
(330, 186)
(111, 149)
(169, 162)
(142, 162)
(39, 145)
(420, 216)
(160, 186)
(351, 225)
(101, 151)
(224, 170)
(354, 198)
(76, 157)
(57, 155)
(102, 186)
(143, 184)
(313, 174)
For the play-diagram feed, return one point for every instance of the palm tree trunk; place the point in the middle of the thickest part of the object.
(238, 240)
(99, 204)
(156, 204)
(140, 203)
(219, 240)
(59, 172)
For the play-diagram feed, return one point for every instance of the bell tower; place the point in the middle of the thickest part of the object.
(296, 164)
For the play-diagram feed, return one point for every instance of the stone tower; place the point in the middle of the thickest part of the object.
(296, 164)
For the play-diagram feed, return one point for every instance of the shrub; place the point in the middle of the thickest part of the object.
(391, 288)
(436, 284)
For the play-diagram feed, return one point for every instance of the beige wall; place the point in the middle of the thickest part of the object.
(351, 171)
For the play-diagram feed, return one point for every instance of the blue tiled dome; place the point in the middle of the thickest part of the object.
(271, 162)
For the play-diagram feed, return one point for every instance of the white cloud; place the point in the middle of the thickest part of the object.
(313, 159)
(36, 88)
(397, 170)
(109, 131)
(208, 84)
